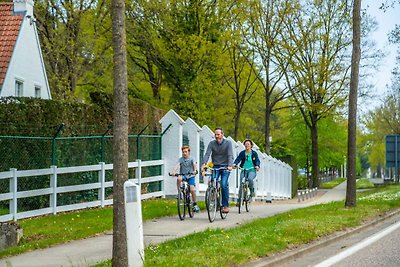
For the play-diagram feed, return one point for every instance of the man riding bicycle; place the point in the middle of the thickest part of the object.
(221, 153)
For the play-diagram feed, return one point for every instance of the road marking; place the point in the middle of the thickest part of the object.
(366, 242)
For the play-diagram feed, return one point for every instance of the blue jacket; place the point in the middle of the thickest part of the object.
(242, 157)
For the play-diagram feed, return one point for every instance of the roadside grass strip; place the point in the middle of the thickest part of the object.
(332, 184)
(264, 237)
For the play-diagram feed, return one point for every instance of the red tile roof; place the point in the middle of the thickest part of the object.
(9, 29)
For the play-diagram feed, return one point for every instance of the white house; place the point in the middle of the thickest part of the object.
(22, 70)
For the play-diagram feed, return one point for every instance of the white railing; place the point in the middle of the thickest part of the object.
(53, 190)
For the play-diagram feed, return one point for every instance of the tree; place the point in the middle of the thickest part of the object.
(75, 38)
(120, 132)
(263, 31)
(380, 122)
(317, 52)
(352, 116)
(181, 39)
(240, 78)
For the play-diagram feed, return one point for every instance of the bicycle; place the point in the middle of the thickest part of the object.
(184, 199)
(214, 196)
(244, 198)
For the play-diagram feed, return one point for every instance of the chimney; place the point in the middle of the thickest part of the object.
(23, 6)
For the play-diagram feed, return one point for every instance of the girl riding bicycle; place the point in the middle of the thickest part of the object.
(187, 165)
(249, 162)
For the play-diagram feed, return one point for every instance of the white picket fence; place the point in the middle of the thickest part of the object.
(13, 196)
(273, 180)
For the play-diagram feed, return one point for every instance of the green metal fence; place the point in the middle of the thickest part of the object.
(28, 153)
(25, 153)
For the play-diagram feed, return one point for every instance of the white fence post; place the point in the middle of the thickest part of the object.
(14, 190)
(193, 132)
(139, 173)
(102, 180)
(171, 125)
(53, 185)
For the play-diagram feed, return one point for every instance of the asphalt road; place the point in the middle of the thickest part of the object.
(375, 246)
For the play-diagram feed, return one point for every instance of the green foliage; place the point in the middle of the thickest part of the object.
(302, 182)
(364, 184)
(76, 44)
(380, 122)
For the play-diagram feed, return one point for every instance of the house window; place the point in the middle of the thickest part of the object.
(38, 92)
(19, 88)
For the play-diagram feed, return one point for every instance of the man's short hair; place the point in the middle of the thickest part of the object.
(219, 128)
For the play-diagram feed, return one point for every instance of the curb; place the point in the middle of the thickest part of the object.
(288, 256)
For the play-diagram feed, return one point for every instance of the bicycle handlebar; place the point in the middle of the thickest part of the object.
(182, 174)
(245, 169)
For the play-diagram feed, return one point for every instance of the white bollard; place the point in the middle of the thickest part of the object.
(269, 198)
(134, 225)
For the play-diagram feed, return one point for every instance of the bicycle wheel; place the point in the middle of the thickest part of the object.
(241, 197)
(247, 197)
(221, 207)
(181, 205)
(211, 203)
(189, 204)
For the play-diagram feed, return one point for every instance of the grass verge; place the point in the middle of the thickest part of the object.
(332, 184)
(45, 231)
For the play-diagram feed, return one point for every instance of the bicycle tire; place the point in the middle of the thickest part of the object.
(189, 204)
(241, 198)
(211, 203)
(181, 205)
(247, 198)
(221, 207)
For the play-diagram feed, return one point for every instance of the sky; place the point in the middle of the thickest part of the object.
(386, 23)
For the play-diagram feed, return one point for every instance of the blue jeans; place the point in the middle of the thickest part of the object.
(223, 177)
(250, 177)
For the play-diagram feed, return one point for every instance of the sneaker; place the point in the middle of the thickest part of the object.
(225, 210)
(196, 208)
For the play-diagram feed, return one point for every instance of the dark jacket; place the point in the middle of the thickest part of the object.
(242, 157)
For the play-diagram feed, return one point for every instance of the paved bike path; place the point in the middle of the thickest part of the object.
(89, 251)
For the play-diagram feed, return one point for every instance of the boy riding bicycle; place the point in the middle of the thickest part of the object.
(187, 165)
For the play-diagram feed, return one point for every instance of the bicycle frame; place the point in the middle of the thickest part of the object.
(214, 195)
(184, 199)
(244, 197)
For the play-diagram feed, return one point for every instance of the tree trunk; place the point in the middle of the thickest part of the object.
(352, 119)
(267, 127)
(120, 131)
(314, 156)
(154, 80)
(237, 122)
